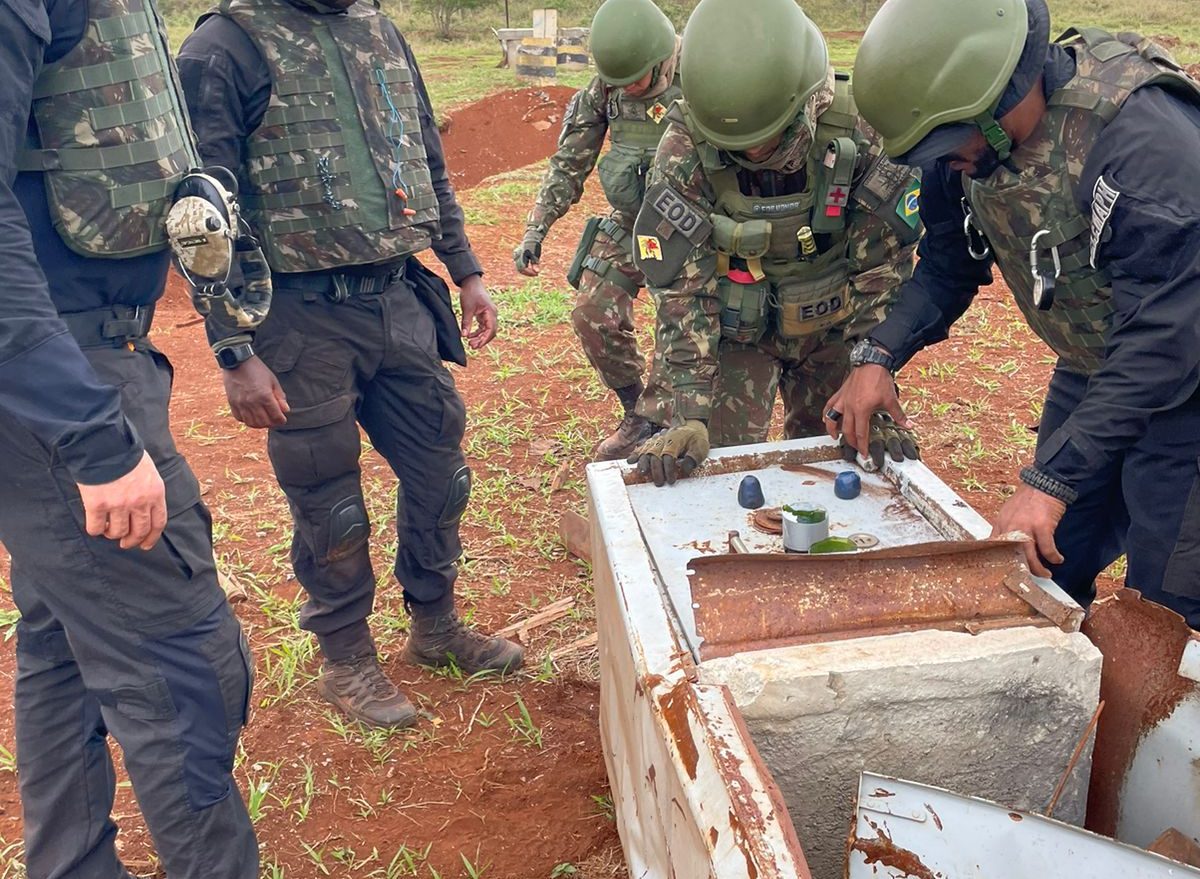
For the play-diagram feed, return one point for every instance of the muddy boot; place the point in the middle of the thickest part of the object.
(437, 639)
(359, 688)
(630, 433)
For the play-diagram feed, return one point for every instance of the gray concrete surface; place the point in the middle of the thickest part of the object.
(995, 715)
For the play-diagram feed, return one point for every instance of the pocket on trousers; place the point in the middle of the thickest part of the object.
(1182, 576)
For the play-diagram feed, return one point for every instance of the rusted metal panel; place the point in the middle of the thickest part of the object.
(751, 602)
(1145, 777)
(903, 829)
(691, 794)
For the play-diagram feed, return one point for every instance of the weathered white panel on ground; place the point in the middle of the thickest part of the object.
(995, 715)
(910, 830)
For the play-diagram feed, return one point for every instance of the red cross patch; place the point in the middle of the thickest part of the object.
(835, 200)
(657, 112)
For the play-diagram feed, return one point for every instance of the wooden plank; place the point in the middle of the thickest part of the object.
(585, 643)
(549, 614)
(576, 534)
(545, 24)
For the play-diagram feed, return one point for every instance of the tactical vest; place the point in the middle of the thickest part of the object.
(337, 169)
(796, 247)
(1015, 210)
(634, 128)
(112, 135)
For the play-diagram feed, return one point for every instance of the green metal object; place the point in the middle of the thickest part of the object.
(927, 63)
(746, 77)
(833, 544)
(628, 38)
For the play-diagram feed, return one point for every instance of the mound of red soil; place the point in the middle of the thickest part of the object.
(503, 131)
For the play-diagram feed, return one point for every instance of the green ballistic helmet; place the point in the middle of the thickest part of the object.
(927, 63)
(746, 75)
(628, 38)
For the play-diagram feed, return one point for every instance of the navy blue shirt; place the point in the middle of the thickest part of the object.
(1150, 154)
(45, 381)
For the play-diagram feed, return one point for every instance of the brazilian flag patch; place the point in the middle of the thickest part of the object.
(909, 208)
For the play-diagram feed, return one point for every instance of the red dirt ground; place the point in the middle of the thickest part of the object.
(466, 785)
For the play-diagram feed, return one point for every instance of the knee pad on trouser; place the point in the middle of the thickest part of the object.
(348, 528)
(456, 497)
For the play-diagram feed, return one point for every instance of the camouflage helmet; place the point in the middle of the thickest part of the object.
(746, 77)
(924, 64)
(628, 39)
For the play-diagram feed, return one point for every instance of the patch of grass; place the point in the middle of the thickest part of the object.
(537, 302)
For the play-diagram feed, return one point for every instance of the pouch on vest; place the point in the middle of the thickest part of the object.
(808, 306)
(743, 307)
(623, 176)
(586, 240)
(748, 240)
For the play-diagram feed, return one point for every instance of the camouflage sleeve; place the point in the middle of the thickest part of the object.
(585, 125)
(688, 329)
(884, 230)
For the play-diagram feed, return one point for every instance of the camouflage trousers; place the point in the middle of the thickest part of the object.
(603, 318)
(805, 372)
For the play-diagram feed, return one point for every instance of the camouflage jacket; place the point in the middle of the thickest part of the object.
(878, 254)
(592, 114)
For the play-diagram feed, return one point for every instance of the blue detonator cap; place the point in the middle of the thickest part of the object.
(750, 493)
(847, 485)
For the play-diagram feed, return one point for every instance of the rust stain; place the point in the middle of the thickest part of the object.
(713, 836)
(702, 546)
(881, 850)
(651, 775)
(936, 820)
(1140, 685)
(1016, 816)
(755, 600)
(675, 710)
(768, 520)
(739, 838)
(881, 793)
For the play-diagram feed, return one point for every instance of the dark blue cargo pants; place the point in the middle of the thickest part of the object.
(1145, 504)
(139, 645)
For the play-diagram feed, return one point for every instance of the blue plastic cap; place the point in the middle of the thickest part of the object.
(847, 485)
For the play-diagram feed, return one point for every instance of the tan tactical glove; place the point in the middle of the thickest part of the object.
(529, 252)
(886, 435)
(673, 453)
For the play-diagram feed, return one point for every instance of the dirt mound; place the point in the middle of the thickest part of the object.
(1193, 71)
(503, 131)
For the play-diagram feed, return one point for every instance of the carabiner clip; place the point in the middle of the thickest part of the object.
(1043, 285)
(983, 250)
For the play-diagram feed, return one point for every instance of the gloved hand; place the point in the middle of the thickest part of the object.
(673, 453)
(886, 434)
(529, 253)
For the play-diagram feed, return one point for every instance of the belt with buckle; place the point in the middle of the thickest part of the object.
(339, 286)
(109, 327)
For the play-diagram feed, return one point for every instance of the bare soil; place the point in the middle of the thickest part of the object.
(476, 785)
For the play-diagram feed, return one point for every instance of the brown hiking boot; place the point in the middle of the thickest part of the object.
(630, 433)
(441, 639)
(359, 688)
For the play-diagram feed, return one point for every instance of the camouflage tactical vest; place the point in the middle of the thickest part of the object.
(634, 128)
(112, 135)
(808, 289)
(337, 168)
(1012, 209)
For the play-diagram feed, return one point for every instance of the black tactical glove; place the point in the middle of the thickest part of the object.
(529, 252)
(886, 435)
(673, 453)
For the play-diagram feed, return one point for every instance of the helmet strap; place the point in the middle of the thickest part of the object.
(996, 136)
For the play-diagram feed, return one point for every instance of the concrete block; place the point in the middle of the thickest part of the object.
(995, 715)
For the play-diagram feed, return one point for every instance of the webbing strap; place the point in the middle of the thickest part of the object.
(294, 171)
(64, 82)
(611, 274)
(260, 147)
(303, 85)
(132, 113)
(273, 201)
(1082, 100)
(102, 158)
(299, 113)
(331, 220)
(614, 230)
(120, 27)
(147, 192)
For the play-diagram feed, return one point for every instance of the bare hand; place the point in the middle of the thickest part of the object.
(478, 310)
(867, 390)
(255, 397)
(1035, 515)
(132, 509)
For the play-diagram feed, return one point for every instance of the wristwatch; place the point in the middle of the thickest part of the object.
(869, 351)
(234, 356)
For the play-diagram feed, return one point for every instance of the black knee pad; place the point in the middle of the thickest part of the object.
(456, 497)
(349, 528)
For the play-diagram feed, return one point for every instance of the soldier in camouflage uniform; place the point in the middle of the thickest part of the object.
(1073, 167)
(320, 108)
(774, 235)
(124, 630)
(635, 49)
